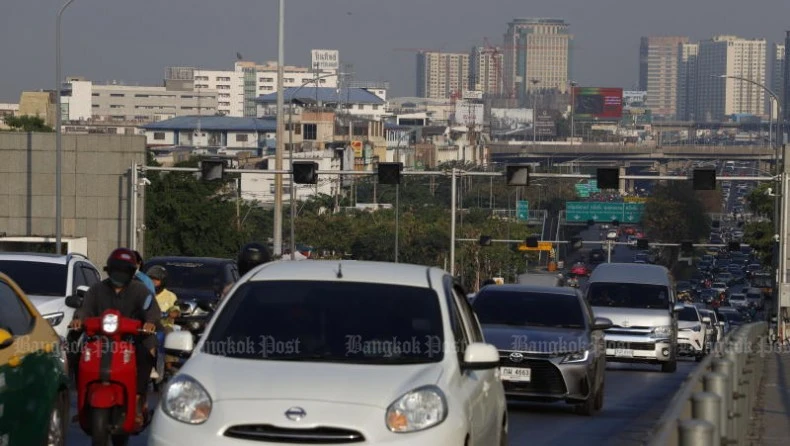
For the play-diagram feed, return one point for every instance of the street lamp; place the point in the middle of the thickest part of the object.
(573, 111)
(59, 135)
(278, 151)
(780, 220)
(291, 155)
(534, 112)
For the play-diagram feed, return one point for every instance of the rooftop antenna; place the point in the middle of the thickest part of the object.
(238, 56)
(340, 270)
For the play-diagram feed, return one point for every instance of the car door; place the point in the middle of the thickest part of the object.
(17, 388)
(492, 406)
(598, 344)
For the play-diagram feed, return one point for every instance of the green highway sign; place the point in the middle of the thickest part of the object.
(583, 211)
(585, 189)
(522, 210)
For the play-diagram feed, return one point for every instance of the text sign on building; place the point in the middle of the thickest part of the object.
(328, 60)
(469, 113)
(473, 94)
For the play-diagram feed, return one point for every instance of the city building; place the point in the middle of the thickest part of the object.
(778, 71)
(251, 134)
(537, 53)
(7, 110)
(658, 73)
(687, 81)
(442, 75)
(485, 70)
(786, 101)
(237, 89)
(85, 101)
(719, 97)
(357, 102)
(38, 103)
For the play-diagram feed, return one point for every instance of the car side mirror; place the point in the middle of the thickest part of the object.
(74, 301)
(480, 356)
(706, 320)
(721, 324)
(179, 343)
(678, 307)
(6, 339)
(602, 323)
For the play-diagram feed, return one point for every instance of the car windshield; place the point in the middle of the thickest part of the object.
(688, 314)
(732, 316)
(738, 297)
(761, 280)
(319, 321)
(628, 295)
(37, 278)
(193, 275)
(498, 307)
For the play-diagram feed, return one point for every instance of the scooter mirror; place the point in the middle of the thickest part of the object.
(179, 343)
(6, 339)
(74, 301)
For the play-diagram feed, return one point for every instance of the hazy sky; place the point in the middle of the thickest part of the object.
(134, 40)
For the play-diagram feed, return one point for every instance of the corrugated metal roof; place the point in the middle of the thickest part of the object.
(215, 123)
(324, 94)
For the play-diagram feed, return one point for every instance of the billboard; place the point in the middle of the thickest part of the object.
(510, 119)
(468, 113)
(472, 94)
(328, 60)
(598, 103)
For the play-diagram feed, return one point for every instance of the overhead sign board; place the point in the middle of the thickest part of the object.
(542, 246)
(522, 210)
(582, 211)
(328, 60)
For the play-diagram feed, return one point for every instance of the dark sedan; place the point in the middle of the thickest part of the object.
(551, 347)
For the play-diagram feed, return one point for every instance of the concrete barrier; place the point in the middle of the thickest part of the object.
(714, 403)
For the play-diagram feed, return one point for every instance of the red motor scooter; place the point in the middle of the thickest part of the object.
(107, 379)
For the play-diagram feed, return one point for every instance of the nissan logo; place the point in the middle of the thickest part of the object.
(295, 414)
(516, 357)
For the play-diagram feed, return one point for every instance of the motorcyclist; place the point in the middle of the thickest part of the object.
(140, 275)
(250, 256)
(164, 297)
(133, 300)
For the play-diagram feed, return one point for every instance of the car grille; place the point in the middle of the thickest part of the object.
(631, 345)
(274, 434)
(545, 377)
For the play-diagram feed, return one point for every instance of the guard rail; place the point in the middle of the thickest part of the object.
(715, 402)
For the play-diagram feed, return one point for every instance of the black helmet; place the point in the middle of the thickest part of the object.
(121, 266)
(252, 255)
(157, 272)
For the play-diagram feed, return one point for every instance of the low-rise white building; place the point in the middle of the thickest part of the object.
(355, 101)
(225, 132)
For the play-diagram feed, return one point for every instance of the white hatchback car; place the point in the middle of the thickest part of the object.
(324, 352)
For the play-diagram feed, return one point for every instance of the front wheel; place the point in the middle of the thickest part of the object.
(120, 440)
(56, 433)
(100, 427)
(669, 367)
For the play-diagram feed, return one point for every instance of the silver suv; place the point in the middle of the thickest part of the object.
(48, 279)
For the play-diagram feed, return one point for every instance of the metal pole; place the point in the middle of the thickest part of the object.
(609, 251)
(291, 177)
(59, 135)
(133, 201)
(277, 249)
(453, 197)
(573, 104)
(397, 219)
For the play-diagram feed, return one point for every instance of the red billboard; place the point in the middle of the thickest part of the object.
(598, 103)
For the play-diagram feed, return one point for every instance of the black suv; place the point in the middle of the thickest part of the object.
(198, 283)
(597, 256)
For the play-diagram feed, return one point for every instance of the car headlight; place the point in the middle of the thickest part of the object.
(661, 332)
(581, 356)
(417, 410)
(109, 324)
(185, 400)
(54, 319)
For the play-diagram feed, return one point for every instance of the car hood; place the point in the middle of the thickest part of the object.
(47, 304)
(688, 324)
(634, 317)
(536, 339)
(246, 379)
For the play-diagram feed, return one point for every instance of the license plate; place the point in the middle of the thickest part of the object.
(623, 353)
(515, 374)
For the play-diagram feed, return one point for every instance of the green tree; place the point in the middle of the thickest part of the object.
(760, 236)
(760, 202)
(674, 213)
(27, 123)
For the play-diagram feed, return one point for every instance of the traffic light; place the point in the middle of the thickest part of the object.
(485, 240)
(687, 247)
(305, 172)
(577, 242)
(389, 173)
(615, 223)
(642, 243)
(517, 174)
(704, 179)
(608, 178)
(734, 246)
(212, 169)
(590, 223)
(532, 241)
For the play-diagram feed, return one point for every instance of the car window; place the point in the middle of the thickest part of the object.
(78, 277)
(456, 321)
(37, 278)
(518, 308)
(92, 276)
(475, 332)
(689, 315)
(14, 315)
(329, 321)
(629, 295)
